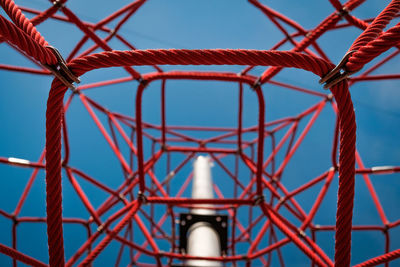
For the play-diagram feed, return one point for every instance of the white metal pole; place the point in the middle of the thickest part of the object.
(202, 239)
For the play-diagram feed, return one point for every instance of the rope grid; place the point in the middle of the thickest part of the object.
(129, 209)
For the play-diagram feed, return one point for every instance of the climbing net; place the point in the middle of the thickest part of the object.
(127, 211)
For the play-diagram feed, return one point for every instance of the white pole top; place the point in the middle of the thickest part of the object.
(202, 239)
(202, 185)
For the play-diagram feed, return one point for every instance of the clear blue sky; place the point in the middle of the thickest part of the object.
(197, 25)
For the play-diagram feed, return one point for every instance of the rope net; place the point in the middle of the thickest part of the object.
(284, 172)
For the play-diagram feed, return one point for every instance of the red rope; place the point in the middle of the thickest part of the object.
(376, 27)
(381, 259)
(373, 49)
(344, 12)
(15, 254)
(205, 57)
(200, 57)
(371, 43)
(344, 212)
(53, 178)
(18, 37)
(118, 228)
(313, 35)
(21, 21)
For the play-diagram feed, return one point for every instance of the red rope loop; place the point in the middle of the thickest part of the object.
(202, 57)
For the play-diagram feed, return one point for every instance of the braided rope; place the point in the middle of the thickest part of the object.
(15, 254)
(371, 43)
(21, 21)
(324, 26)
(45, 15)
(380, 259)
(18, 37)
(344, 212)
(373, 49)
(376, 27)
(203, 57)
(118, 228)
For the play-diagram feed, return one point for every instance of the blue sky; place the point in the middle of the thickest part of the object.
(197, 25)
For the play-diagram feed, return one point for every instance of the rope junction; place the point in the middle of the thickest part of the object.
(123, 214)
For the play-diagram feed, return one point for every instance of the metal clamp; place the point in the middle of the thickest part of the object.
(58, 4)
(338, 74)
(343, 12)
(61, 70)
(141, 197)
(258, 199)
(101, 228)
(257, 84)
